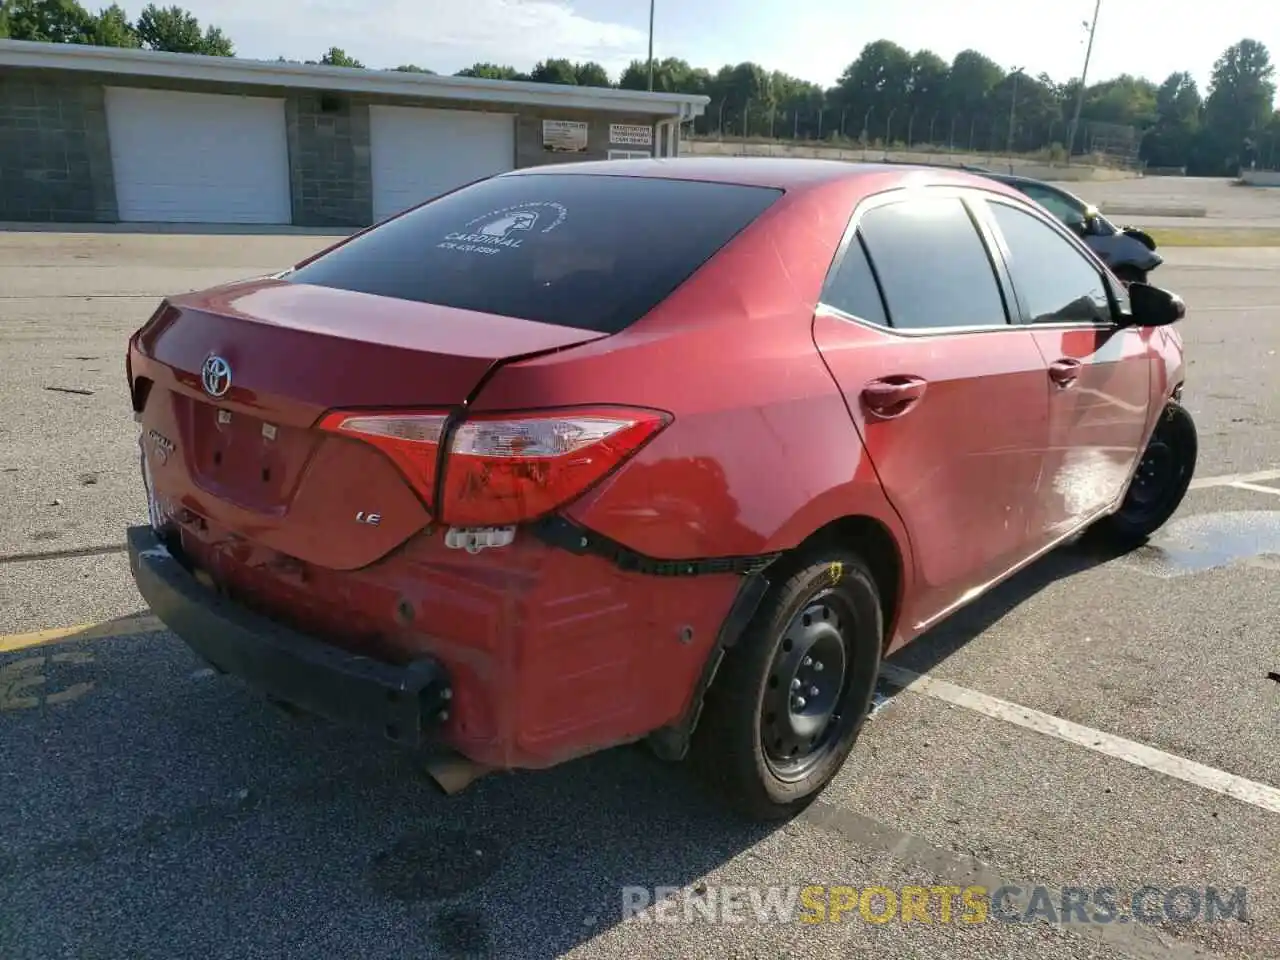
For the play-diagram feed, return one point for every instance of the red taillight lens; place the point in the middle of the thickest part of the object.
(509, 468)
(514, 468)
(411, 440)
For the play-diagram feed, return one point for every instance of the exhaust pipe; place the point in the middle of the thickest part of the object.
(453, 772)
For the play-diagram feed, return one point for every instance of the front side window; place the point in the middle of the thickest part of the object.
(1060, 206)
(932, 264)
(579, 250)
(1055, 283)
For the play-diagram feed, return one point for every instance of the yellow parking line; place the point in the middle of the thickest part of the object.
(129, 626)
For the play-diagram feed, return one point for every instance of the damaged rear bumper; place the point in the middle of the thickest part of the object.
(407, 704)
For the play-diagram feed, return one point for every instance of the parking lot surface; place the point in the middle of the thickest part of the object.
(1096, 722)
(1219, 202)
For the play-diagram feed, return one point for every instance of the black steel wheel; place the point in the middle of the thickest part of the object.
(789, 701)
(800, 718)
(1160, 481)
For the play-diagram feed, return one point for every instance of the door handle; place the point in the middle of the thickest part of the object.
(893, 396)
(1064, 372)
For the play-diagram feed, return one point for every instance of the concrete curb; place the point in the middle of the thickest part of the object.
(1153, 210)
(1260, 178)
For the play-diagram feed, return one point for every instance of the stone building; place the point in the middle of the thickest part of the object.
(96, 134)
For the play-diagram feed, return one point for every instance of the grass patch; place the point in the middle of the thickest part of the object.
(1216, 237)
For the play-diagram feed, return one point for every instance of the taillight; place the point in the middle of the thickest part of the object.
(508, 468)
(512, 468)
(411, 440)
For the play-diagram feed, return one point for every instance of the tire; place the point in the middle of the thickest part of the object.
(1128, 274)
(792, 639)
(1160, 482)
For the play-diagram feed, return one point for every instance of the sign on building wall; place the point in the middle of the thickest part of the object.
(631, 134)
(564, 136)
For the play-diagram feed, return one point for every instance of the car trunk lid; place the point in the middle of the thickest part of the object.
(251, 457)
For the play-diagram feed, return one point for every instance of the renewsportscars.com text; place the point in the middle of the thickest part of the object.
(931, 904)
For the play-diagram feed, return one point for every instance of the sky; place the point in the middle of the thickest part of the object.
(811, 39)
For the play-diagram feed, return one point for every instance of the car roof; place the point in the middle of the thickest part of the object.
(783, 173)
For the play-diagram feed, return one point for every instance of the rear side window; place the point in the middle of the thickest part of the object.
(932, 264)
(586, 251)
(852, 288)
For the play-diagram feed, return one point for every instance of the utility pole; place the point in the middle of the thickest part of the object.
(1013, 107)
(1075, 117)
(651, 3)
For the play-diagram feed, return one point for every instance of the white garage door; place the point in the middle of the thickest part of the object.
(418, 154)
(198, 157)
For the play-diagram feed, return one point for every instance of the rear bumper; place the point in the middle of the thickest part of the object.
(406, 704)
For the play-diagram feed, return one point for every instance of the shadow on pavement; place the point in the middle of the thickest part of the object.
(953, 633)
(208, 799)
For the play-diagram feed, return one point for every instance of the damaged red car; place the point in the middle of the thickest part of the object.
(670, 451)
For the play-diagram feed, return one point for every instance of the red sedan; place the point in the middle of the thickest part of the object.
(670, 450)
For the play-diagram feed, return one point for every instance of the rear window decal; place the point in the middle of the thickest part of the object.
(505, 228)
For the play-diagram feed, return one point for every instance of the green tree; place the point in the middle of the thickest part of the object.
(491, 71)
(745, 92)
(1037, 114)
(111, 28)
(670, 75)
(412, 68)
(876, 89)
(1178, 107)
(178, 31)
(1240, 103)
(592, 75)
(927, 84)
(48, 21)
(555, 71)
(337, 57)
(972, 79)
(799, 109)
(1125, 99)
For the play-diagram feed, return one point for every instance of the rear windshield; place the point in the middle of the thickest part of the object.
(586, 251)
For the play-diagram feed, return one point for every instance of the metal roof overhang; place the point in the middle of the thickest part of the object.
(124, 62)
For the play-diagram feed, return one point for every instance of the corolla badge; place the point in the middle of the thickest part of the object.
(162, 445)
(215, 376)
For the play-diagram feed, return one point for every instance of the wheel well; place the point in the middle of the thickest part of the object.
(872, 541)
(876, 545)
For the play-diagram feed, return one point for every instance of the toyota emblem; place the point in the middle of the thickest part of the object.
(215, 375)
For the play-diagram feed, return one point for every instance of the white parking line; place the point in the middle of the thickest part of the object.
(1228, 479)
(1239, 309)
(1140, 755)
(1255, 487)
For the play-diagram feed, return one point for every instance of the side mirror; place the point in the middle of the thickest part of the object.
(1153, 306)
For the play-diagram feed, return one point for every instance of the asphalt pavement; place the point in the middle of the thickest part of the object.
(1096, 722)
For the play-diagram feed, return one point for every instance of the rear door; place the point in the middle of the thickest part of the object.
(950, 397)
(1100, 375)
